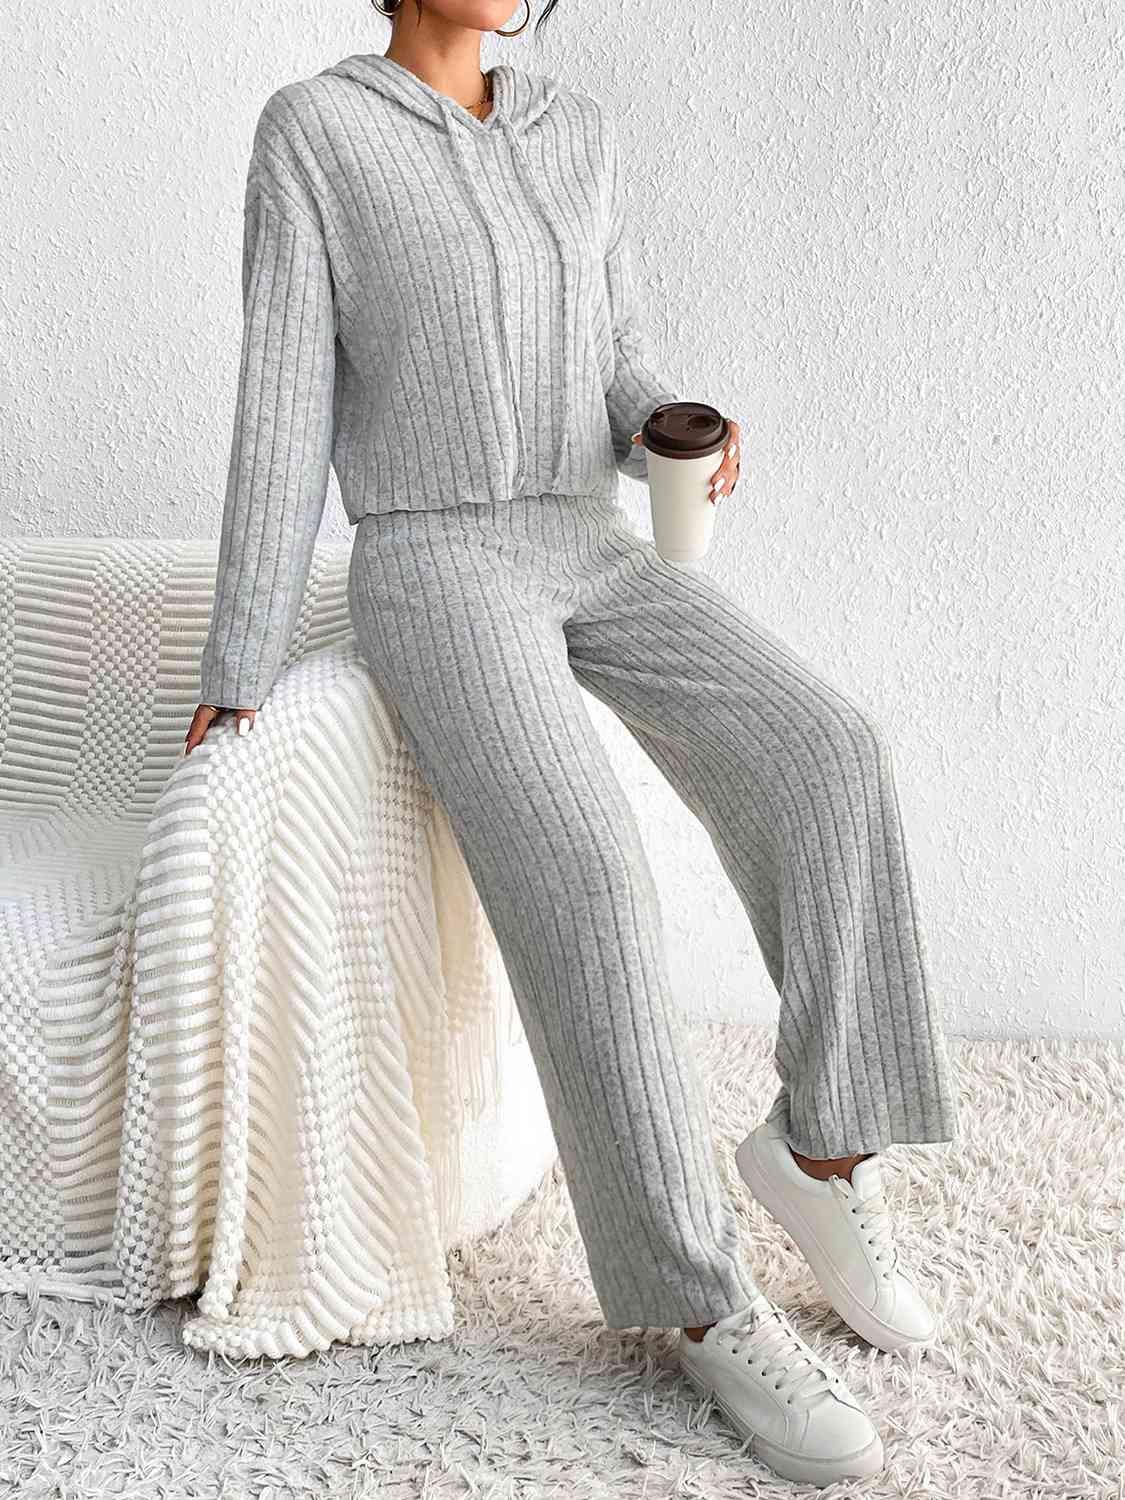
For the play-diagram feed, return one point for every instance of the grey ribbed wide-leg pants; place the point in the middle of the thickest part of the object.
(479, 622)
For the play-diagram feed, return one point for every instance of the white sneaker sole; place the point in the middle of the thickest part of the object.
(784, 1461)
(833, 1285)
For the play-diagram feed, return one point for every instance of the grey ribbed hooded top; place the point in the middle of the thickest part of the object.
(440, 307)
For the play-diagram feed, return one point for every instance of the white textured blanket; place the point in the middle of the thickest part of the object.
(248, 997)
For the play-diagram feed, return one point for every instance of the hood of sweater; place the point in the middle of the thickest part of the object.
(518, 97)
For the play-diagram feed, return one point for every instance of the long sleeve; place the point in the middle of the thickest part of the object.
(280, 451)
(635, 388)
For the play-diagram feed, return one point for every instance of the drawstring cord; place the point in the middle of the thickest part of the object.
(520, 155)
(453, 131)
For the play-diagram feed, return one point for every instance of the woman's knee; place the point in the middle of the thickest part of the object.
(553, 837)
(863, 731)
(825, 738)
(596, 868)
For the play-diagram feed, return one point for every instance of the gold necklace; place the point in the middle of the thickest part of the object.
(486, 97)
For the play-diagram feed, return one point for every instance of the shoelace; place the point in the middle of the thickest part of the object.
(874, 1217)
(763, 1334)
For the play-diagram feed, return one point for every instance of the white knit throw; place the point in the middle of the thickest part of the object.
(248, 998)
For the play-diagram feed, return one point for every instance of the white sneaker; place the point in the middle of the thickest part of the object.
(775, 1390)
(844, 1232)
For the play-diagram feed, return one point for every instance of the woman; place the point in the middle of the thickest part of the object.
(439, 303)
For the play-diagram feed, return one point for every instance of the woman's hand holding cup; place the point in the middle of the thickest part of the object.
(725, 477)
(692, 458)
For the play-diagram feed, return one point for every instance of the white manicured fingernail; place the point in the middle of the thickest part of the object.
(732, 450)
(244, 726)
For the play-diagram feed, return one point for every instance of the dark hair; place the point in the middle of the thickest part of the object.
(547, 9)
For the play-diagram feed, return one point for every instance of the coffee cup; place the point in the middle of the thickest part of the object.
(683, 442)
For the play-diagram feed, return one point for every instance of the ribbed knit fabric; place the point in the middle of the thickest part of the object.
(481, 623)
(440, 307)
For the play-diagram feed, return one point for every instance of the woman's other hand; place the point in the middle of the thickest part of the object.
(206, 714)
(725, 477)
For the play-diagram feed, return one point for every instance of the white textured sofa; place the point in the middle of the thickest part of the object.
(255, 1037)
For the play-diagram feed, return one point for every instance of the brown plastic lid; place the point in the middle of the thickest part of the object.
(685, 429)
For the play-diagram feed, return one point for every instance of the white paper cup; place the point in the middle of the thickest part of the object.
(683, 516)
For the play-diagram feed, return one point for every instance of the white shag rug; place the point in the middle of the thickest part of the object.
(1017, 1231)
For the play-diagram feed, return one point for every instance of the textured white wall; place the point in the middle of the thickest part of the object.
(894, 251)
